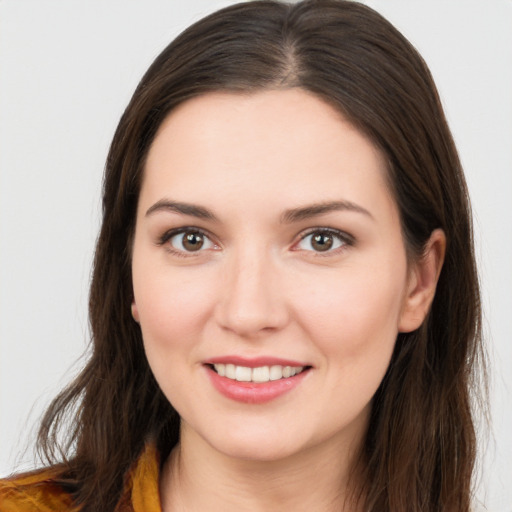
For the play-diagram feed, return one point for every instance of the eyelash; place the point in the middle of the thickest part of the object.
(174, 232)
(346, 240)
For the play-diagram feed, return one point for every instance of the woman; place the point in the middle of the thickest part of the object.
(286, 258)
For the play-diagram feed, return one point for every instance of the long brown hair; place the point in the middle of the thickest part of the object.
(419, 451)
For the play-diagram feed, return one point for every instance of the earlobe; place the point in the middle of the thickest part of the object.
(135, 312)
(423, 278)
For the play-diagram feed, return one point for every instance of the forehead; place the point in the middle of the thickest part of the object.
(278, 145)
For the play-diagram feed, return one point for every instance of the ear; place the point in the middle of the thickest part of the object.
(422, 282)
(135, 312)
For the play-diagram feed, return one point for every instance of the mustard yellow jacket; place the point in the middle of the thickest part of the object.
(39, 491)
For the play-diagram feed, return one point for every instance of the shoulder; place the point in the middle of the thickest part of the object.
(41, 491)
(51, 489)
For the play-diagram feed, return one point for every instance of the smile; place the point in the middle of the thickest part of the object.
(255, 381)
(259, 374)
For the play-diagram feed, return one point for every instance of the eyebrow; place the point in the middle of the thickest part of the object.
(288, 217)
(314, 210)
(184, 208)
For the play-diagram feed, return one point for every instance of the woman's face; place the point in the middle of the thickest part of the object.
(268, 243)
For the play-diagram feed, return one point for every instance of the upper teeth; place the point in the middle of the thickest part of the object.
(258, 374)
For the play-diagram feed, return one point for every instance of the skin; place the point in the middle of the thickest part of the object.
(258, 287)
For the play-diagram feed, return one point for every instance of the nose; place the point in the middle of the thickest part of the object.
(252, 299)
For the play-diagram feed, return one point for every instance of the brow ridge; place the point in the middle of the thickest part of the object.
(289, 216)
(314, 210)
(184, 208)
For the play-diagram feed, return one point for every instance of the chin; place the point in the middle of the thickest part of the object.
(256, 444)
(259, 451)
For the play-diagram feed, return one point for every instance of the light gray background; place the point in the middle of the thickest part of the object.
(67, 70)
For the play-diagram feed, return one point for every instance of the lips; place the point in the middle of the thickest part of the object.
(255, 380)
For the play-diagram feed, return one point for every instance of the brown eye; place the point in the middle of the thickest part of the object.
(193, 241)
(190, 241)
(323, 241)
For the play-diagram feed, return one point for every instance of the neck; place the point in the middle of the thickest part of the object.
(196, 477)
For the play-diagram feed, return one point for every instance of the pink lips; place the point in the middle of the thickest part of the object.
(252, 392)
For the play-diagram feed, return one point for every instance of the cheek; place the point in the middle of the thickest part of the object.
(353, 316)
(172, 307)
